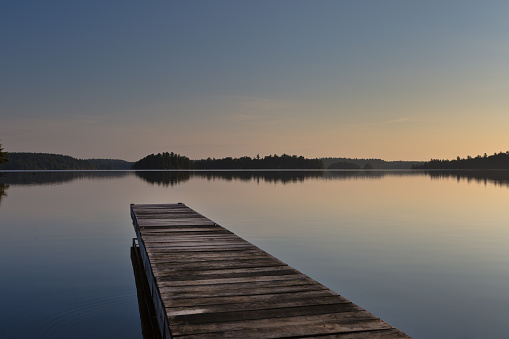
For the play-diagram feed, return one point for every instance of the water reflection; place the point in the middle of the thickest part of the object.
(3, 188)
(495, 177)
(354, 175)
(148, 316)
(396, 242)
(56, 177)
(164, 178)
(283, 177)
(173, 178)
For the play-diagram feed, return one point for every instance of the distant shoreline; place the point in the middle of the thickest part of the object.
(26, 161)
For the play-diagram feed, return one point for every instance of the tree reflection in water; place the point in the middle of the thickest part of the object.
(173, 178)
(3, 188)
(495, 177)
(164, 178)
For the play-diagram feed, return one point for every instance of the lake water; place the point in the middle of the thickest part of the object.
(426, 252)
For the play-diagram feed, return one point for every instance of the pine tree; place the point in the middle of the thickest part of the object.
(3, 155)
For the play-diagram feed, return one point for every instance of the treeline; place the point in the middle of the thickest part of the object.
(163, 161)
(44, 161)
(343, 165)
(349, 165)
(110, 164)
(284, 161)
(47, 161)
(368, 163)
(495, 161)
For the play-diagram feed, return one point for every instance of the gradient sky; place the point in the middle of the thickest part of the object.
(393, 79)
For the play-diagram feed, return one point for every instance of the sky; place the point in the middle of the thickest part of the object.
(392, 79)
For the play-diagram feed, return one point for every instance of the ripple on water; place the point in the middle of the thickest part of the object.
(70, 319)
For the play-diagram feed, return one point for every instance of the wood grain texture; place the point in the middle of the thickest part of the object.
(214, 284)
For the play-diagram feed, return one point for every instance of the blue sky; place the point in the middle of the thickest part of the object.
(398, 80)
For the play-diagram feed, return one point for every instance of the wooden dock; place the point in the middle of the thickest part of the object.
(207, 282)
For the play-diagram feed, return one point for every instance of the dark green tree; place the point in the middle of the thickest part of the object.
(163, 161)
(3, 155)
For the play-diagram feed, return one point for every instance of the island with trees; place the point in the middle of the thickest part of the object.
(163, 161)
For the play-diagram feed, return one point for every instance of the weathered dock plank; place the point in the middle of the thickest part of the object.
(207, 282)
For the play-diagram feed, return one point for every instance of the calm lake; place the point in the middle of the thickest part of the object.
(426, 252)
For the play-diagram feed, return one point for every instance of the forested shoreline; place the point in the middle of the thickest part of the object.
(355, 163)
(21, 161)
(495, 161)
(284, 161)
(172, 161)
(160, 161)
